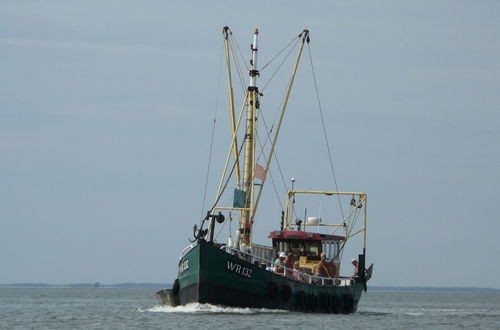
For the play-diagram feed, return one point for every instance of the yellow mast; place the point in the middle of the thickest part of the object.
(249, 165)
(251, 102)
(251, 203)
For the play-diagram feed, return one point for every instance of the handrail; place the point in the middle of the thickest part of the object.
(248, 254)
(186, 249)
(312, 279)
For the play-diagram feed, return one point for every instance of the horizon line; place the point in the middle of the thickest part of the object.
(160, 285)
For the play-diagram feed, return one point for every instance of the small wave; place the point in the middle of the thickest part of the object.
(196, 308)
(430, 311)
(457, 312)
(373, 312)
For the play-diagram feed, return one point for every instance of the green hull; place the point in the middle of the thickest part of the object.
(210, 275)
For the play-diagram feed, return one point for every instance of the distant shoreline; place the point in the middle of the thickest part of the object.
(132, 285)
(432, 289)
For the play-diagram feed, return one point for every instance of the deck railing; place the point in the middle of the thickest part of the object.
(308, 278)
(186, 250)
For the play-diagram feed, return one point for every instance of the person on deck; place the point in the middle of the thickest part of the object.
(355, 264)
(279, 264)
(322, 268)
(289, 264)
(297, 272)
(332, 268)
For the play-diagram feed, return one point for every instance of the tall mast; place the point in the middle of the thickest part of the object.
(249, 164)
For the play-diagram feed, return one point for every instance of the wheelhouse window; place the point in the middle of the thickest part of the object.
(297, 248)
(313, 250)
(300, 248)
(331, 248)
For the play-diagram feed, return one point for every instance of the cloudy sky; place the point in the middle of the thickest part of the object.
(106, 111)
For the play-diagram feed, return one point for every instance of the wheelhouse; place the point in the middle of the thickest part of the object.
(307, 246)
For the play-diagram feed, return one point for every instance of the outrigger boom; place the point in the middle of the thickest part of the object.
(251, 102)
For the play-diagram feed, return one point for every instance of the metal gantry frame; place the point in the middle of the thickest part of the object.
(343, 224)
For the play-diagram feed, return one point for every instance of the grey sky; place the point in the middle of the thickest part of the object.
(106, 111)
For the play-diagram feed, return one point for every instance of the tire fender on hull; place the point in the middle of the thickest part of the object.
(273, 290)
(286, 292)
(312, 302)
(175, 287)
(334, 304)
(299, 300)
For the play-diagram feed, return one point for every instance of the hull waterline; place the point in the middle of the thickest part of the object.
(211, 275)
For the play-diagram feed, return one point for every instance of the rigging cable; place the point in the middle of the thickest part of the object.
(270, 175)
(237, 63)
(224, 188)
(351, 217)
(354, 220)
(355, 216)
(281, 63)
(269, 131)
(212, 135)
(324, 130)
(268, 138)
(228, 178)
(281, 51)
(239, 51)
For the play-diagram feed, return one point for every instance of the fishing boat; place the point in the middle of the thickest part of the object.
(300, 268)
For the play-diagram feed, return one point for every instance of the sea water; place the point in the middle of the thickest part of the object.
(113, 308)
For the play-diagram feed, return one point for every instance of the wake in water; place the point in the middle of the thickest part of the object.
(430, 311)
(196, 308)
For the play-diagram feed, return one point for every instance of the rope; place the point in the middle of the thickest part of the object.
(281, 51)
(224, 188)
(268, 138)
(348, 234)
(279, 66)
(324, 130)
(354, 217)
(272, 180)
(213, 134)
(229, 177)
(241, 54)
(237, 64)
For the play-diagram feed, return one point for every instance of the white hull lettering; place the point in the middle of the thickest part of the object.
(239, 269)
(184, 266)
